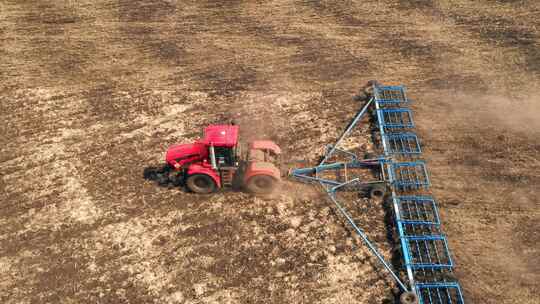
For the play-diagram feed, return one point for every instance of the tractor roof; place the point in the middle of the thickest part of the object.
(221, 135)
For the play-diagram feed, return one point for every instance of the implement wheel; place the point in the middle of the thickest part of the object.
(377, 192)
(261, 184)
(201, 183)
(408, 298)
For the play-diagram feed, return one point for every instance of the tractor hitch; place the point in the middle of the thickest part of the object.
(164, 175)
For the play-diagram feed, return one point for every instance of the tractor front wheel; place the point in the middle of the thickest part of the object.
(261, 184)
(201, 183)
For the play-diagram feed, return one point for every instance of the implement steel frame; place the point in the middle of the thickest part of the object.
(331, 187)
(421, 217)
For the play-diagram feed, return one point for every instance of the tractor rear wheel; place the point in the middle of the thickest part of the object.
(261, 184)
(201, 183)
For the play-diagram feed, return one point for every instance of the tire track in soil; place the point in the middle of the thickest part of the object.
(153, 121)
(508, 33)
(257, 30)
(52, 111)
(45, 40)
(316, 55)
(228, 68)
(122, 140)
(420, 53)
(178, 54)
(494, 77)
(315, 59)
(45, 227)
(268, 32)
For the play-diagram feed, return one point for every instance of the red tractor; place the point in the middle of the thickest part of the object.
(216, 162)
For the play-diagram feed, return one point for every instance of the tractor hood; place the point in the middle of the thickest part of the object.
(265, 145)
(185, 152)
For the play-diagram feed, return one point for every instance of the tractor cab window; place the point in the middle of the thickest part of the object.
(224, 156)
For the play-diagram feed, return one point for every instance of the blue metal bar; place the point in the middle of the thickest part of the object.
(347, 131)
(352, 155)
(337, 166)
(316, 179)
(425, 250)
(390, 94)
(404, 244)
(390, 176)
(402, 143)
(429, 214)
(365, 238)
(332, 182)
(409, 175)
(452, 291)
(434, 245)
(333, 189)
(396, 118)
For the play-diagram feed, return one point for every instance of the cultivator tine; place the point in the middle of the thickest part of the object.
(440, 293)
(428, 252)
(409, 175)
(418, 210)
(394, 95)
(406, 144)
(425, 252)
(396, 118)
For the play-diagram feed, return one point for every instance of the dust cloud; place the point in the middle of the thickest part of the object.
(522, 116)
(515, 115)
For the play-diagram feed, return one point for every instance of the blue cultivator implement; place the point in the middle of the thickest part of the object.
(399, 175)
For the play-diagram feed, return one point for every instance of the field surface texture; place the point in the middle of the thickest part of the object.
(94, 91)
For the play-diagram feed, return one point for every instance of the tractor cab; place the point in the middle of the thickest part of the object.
(225, 156)
(222, 142)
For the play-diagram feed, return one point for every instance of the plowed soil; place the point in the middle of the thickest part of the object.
(92, 92)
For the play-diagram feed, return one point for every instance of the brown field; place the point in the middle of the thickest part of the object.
(92, 92)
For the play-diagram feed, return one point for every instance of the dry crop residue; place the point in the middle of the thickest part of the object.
(91, 92)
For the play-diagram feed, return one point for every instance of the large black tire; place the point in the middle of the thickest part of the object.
(377, 192)
(201, 183)
(261, 184)
(408, 298)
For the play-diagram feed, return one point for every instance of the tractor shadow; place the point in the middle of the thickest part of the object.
(165, 177)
